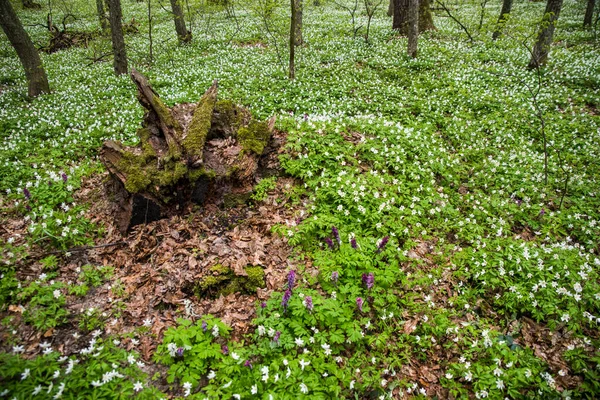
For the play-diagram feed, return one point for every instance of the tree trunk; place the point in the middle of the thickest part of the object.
(118, 42)
(390, 10)
(298, 33)
(102, 15)
(37, 80)
(183, 35)
(31, 5)
(540, 51)
(187, 154)
(413, 27)
(506, 7)
(292, 67)
(400, 16)
(589, 13)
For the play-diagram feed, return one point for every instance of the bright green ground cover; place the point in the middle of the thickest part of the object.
(448, 156)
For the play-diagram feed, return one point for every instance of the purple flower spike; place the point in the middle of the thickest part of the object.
(263, 304)
(308, 303)
(359, 303)
(64, 177)
(291, 279)
(204, 326)
(329, 243)
(335, 276)
(248, 364)
(353, 243)
(276, 337)
(179, 352)
(368, 280)
(542, 212)
(27, 193)
(382, 244)
(286, 298)
(336, 234)
(225, 349)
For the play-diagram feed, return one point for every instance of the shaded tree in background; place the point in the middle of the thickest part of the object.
(37, 81)
(118, 42)
(183, 35)
(413, 27)
(298, 34)
(292, 68)
(102, 15)
(589, 13)
(539, 54)
(400, 16)
(506, 7)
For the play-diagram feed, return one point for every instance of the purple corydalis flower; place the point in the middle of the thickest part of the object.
(27, 193)
(359, 303)
(286, 298)
(204, 326)
(248, 364)
(542, 212)
(329, 243)
(276, 337)
(335, 276)
(368, 280)
(179, 352)
(263, 304)
(291, 279)
(336, 234)
(382, 244)
(64, 177)
(353, 243)
(225, 349)
(308, 303)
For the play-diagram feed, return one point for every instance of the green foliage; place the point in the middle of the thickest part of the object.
(261, 189)
(95, 275)
(45, 303)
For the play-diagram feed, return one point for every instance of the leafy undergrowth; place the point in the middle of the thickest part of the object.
(419, 246)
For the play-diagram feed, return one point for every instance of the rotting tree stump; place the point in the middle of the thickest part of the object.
(186, 155)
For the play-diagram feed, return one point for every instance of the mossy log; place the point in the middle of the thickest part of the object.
(186, 154)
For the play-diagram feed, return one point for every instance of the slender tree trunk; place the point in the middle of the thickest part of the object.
(400, 17)
(102, 15)
(506, 7)
(37, 80)
(298, 33)
(413, 27)
(118, 42)
(150, 43)
(292, 71)
(390, 10)
(540, 51)
(183, 35)
(589, 13)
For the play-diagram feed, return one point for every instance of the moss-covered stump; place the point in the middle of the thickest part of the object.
(186, 155)
(221, 280)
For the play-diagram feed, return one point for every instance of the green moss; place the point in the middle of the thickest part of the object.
(165, 114)
(195, 174)
(223, 281)
(199, 127)
(233, 116)
(236, 199)
(254, 137)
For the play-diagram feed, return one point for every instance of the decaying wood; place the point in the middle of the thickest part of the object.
(187, 154)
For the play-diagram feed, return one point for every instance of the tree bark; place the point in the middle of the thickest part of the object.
(390, 10)
(400, 16)
(118, 42)
(102, 15)
(37, 81)
(506, 7)
(183, 35)
(539, 55)
(413, 27)
(31, 5)
(292, 67)
(298, 31)
(589, 13)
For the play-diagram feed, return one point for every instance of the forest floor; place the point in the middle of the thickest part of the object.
(419, 240)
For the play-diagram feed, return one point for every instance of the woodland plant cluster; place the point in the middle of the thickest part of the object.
(437, 234)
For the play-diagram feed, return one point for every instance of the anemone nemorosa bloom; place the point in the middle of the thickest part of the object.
(291, 279)
(329, 243)
(336, 234)
(382, 244)
(368, 280)
(308, 303)
(286, 298)
(359, 303)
